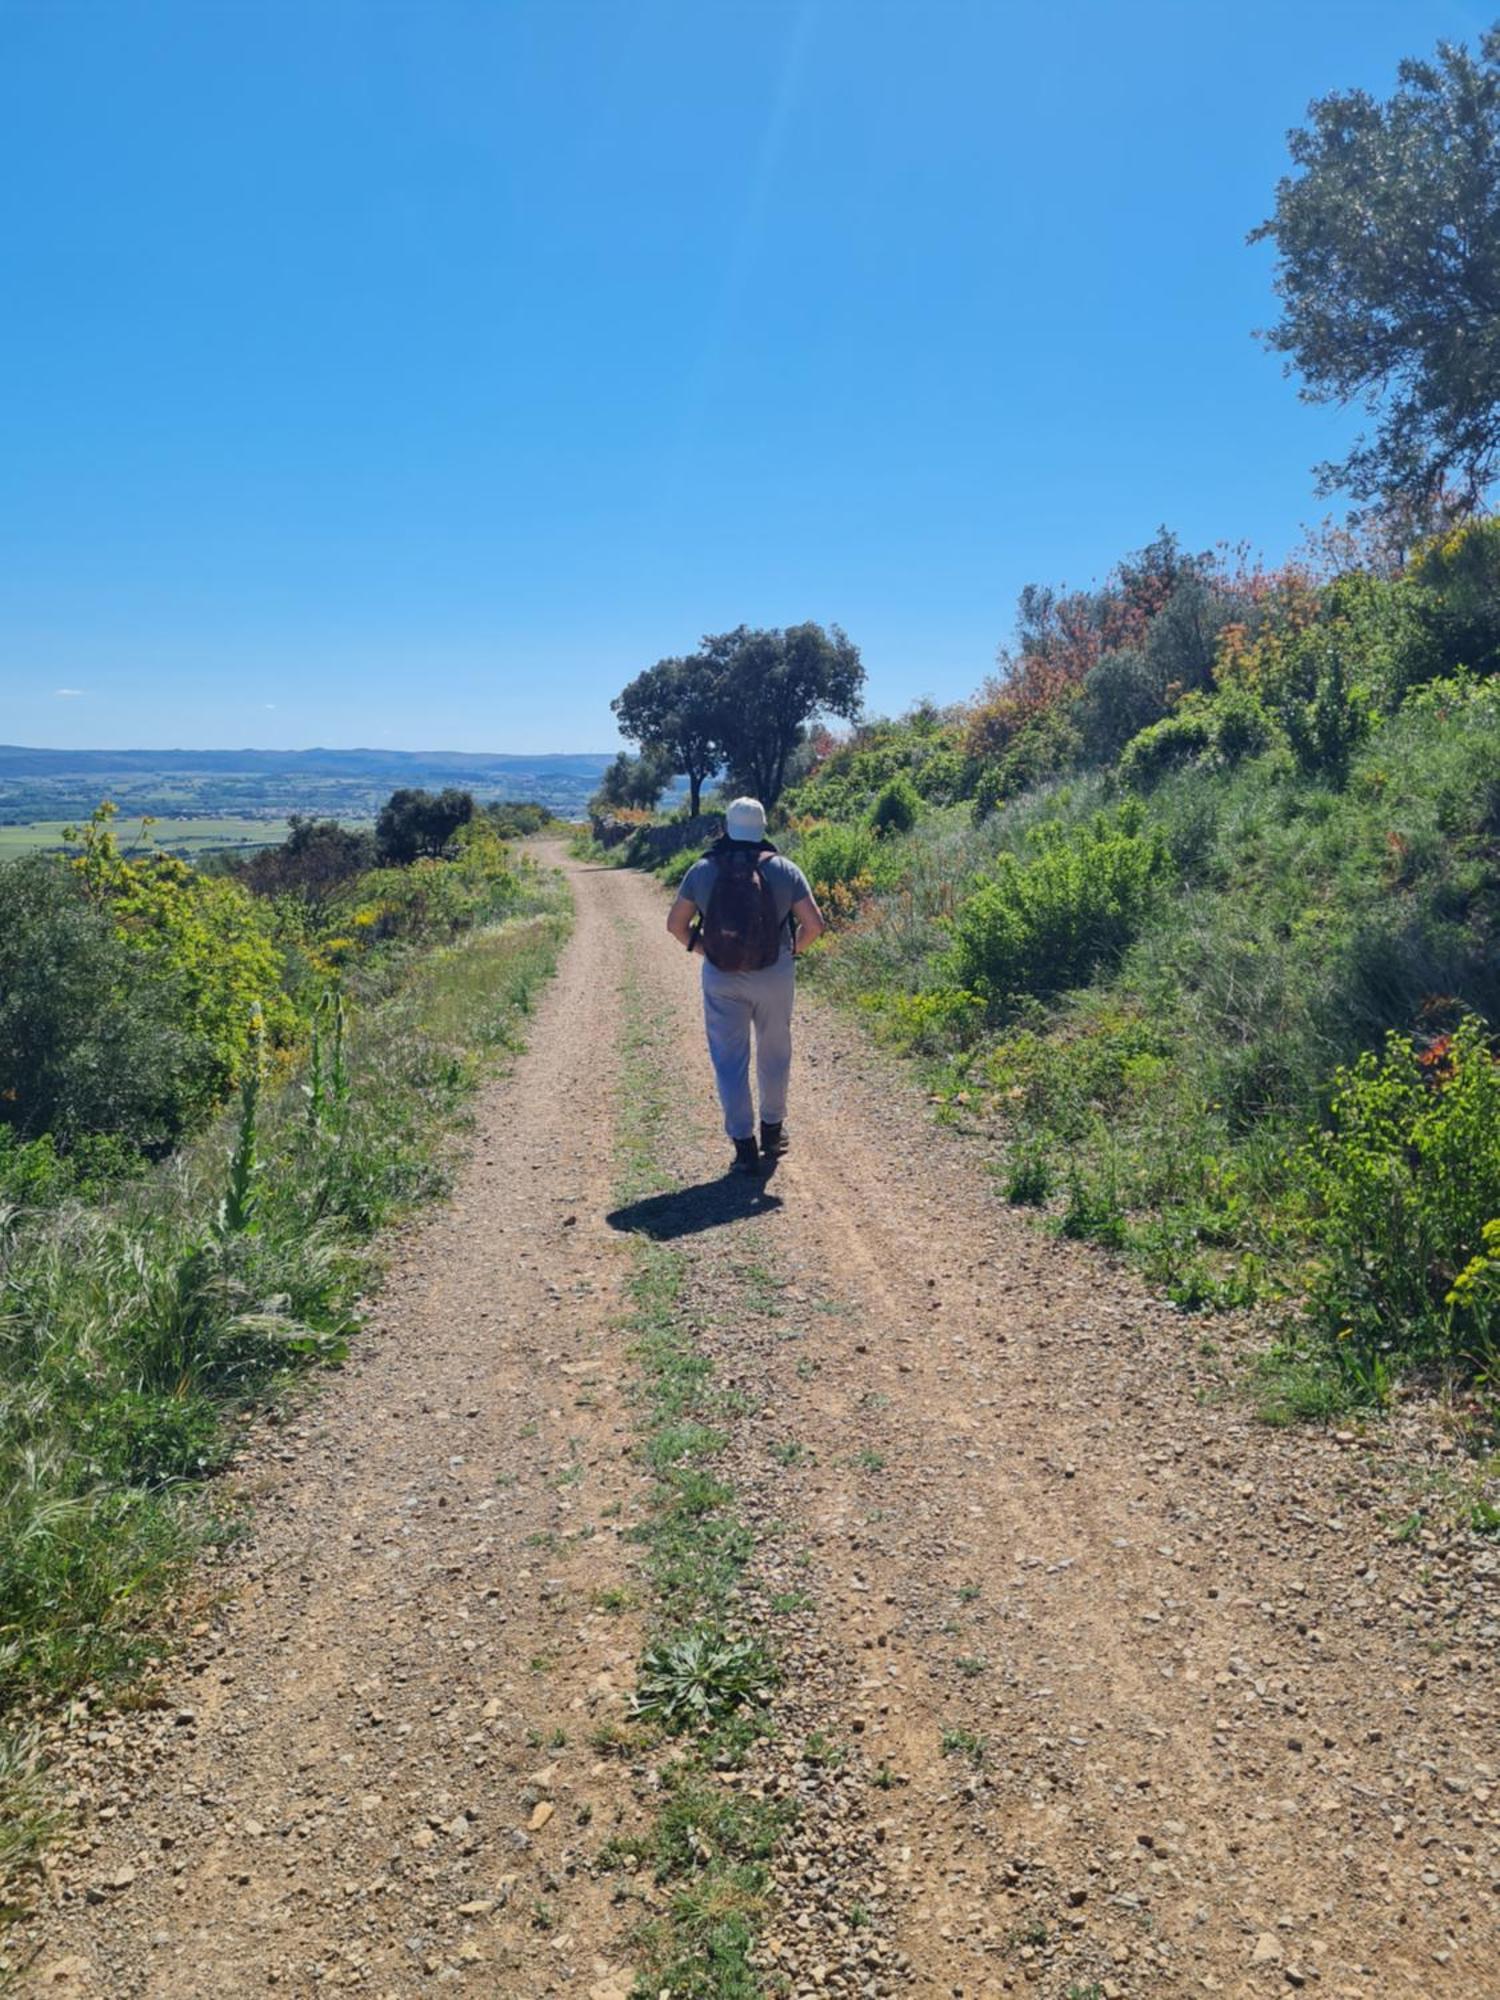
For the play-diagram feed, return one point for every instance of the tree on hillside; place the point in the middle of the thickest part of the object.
(414, 823)
(1388, 242)
(632, 783)
(675, 708)
(772, 684)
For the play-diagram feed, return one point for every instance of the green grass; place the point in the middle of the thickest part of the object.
(142, 1333)
(702, 1677)
(964, 1743)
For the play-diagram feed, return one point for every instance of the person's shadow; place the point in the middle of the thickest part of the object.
(688, 1211)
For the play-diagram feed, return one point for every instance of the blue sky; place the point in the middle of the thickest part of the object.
(414, 374)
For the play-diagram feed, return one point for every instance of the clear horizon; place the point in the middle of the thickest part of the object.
(298, 750)
(381, 376)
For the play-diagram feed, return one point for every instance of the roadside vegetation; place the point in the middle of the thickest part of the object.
(1196, 903)
(212, 1096)
(1232, 1007)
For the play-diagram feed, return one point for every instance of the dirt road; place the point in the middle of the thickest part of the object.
(1129, 1696)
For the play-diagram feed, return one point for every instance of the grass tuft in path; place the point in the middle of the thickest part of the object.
(703, 1678)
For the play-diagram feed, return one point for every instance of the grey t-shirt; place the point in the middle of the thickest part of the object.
(784, 878)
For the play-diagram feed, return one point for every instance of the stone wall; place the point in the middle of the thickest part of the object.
(650, 844)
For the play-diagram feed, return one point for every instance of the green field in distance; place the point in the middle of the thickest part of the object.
(175, 836)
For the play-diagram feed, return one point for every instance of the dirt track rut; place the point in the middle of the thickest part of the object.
(1157, 1702)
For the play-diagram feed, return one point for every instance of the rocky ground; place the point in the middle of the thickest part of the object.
(1092, 1687)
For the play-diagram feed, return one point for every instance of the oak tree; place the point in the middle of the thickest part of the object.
(1388, 269)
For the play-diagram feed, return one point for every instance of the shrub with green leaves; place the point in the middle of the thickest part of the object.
(920, 747)
(1044, 923)
(1406, 1180)
(836, 857)
(1457, 576)
(87, 1043)
(1475, 1297)
(1327, 729)
(938, 1019)
(897, 808)
(1240, 725)
(1177, 739)
(1046, 745)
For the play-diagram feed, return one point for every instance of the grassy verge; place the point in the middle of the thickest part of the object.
(704, 1680)
(1173, 1009)
(140, 1335)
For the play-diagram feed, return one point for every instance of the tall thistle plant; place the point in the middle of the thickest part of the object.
(236, 1215)
(327, 1086)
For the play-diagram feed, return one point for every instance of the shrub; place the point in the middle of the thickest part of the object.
(1475, 1299)
(1046, 923)
(1240, 725)
(427, 901)
(313, 863)
(206, 938)
(1044, 746)
(989, 791)
(835, 857)
(943, 1018)
(1458, 607)
(896, 809)
(943, 776)
(1029, 1178)
(1123, 695)
(34, 1174)
(514, 819)
(86, 1043)
(920, 748)
(1406, 1179)
(1175, 740)
(1325, 731)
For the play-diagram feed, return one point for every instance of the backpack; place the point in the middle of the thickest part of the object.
(741, 930)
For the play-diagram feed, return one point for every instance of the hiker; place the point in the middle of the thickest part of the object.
(749, 911)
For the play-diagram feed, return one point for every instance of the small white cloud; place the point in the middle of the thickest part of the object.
(66, 694)
(270, 704)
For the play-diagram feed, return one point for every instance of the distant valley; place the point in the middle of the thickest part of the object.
(48, 785)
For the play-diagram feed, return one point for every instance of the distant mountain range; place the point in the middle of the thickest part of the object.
(18, 761)
(50, 784)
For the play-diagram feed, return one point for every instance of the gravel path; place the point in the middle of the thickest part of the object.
(1127, 1695)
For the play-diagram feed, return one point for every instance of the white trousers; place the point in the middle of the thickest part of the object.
(735, 1004)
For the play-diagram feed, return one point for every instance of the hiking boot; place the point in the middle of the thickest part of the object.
(773, 1140)
(746, 1157)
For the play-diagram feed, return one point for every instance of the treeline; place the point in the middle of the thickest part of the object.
(741, 706)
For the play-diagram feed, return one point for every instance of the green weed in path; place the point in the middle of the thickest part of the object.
(139, 1334)
(964, 1743)
(701, 1676)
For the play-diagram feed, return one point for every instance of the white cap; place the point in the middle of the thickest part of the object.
(746, 820)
